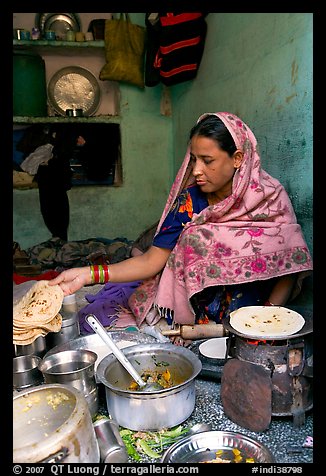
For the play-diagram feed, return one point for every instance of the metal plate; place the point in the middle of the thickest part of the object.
(74, 87)
(203, 446)
(58, 22)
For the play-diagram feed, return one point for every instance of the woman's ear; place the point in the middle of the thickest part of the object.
(237, 158)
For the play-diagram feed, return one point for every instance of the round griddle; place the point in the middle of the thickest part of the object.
(306, 329)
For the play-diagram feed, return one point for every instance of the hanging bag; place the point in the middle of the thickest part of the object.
(124, 51)
(176, 45)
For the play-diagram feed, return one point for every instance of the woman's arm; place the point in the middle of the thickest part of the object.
(282, 290)
(132, 269)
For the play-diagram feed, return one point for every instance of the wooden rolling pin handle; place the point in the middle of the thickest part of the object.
(198, 331)
(171, 332)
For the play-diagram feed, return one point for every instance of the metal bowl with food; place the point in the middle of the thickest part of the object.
(162, 408)
(217, 447)
(52, 424)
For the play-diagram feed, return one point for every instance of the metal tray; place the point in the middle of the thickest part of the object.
(74, 87)
(202, 448)
(94, 342)
(60, 23)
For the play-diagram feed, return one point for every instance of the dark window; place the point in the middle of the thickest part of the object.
(92, 152)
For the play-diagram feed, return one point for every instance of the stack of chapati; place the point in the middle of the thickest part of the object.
(37, 313)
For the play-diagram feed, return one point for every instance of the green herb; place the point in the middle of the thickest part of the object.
(147, 450)
(150, 443)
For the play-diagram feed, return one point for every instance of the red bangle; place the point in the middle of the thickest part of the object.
(268, 303)
(106, 273)
(96, 274)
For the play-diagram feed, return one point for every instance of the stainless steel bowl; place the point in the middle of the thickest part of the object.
(159, 409)
(75, 368)
(202, 447)
(25, 371)
(38, 347)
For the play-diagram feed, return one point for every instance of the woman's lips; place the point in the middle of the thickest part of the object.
(200, 182)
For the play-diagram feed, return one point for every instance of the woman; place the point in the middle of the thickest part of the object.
(228, 236)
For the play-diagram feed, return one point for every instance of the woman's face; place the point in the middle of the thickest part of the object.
(213, 168)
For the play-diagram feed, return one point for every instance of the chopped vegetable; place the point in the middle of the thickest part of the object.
(166, 375)
(150, 443)
(147, 450)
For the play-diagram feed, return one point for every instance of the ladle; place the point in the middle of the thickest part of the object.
(100, 331)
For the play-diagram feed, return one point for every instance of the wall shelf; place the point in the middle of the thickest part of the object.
(66, 120)
(69, 48)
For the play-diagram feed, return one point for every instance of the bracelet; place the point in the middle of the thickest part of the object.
(268, 303)
(92, 275)
(99, 274)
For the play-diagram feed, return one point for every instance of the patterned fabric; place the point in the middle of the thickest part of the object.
(191, 200)
(251, 235)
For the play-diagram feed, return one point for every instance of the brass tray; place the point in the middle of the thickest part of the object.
(74, 87)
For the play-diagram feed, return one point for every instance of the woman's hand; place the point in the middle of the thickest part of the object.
(71, 280)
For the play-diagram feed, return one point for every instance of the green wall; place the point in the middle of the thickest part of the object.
(256, 65)
(259, 66)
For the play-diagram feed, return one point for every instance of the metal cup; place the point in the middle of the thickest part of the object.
(25, 372)
(111, 445)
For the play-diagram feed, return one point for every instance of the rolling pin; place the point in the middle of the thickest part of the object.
(197, 331)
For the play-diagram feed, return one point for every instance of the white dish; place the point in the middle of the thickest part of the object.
(214, 348)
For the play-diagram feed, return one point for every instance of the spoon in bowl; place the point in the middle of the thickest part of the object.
(104, 335)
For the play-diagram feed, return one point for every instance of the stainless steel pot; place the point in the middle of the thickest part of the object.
(52, 424)
(165, 408)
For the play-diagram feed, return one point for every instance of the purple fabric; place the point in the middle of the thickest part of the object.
(106, 304)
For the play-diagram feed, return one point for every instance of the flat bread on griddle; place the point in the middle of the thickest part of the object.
(266, 321)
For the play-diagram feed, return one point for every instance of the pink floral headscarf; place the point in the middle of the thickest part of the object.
(251, 235)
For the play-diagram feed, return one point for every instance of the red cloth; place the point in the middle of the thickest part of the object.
(17, 278)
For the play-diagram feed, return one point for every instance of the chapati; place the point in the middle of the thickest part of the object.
(36, 313)
(39, 305)
(266, 321)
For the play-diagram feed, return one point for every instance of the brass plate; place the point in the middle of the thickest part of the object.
(74, 87)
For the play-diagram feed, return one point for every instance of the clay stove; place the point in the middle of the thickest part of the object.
(280, 372)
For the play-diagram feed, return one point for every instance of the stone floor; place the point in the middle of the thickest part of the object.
(282, 438)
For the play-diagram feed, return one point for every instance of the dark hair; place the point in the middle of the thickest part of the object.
(213, 127)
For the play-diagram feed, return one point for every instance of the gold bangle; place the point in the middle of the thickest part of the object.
(101, 274)
(92, 274)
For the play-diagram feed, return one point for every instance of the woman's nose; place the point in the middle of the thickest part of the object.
(196, 170)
